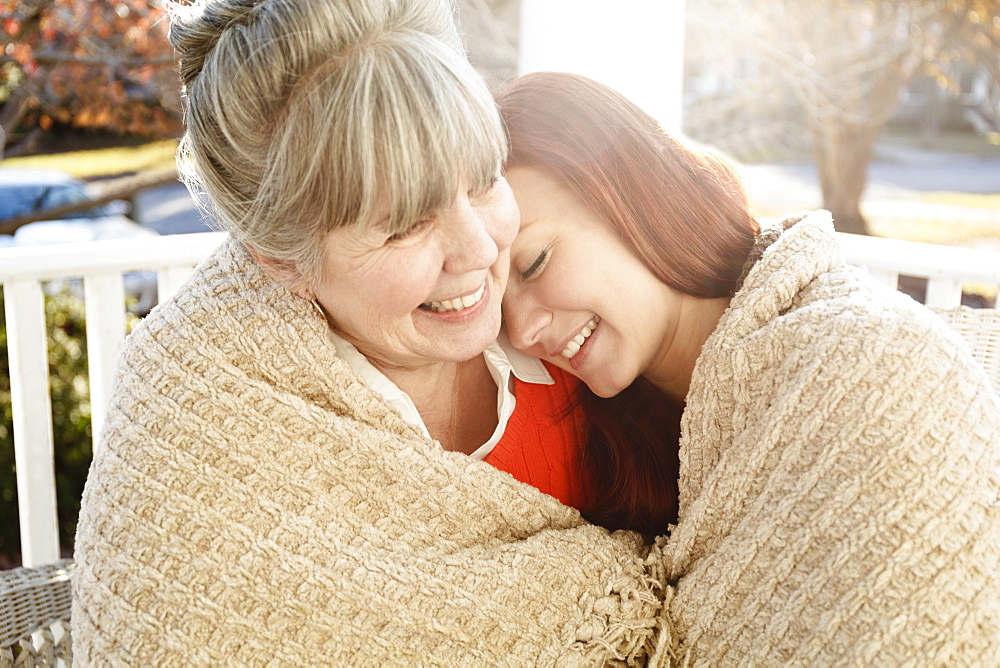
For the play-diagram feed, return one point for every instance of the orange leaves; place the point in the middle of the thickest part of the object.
(94, 64)
(104, 30)
(20, 52)
(115, 92)
(94, 117)
(83, 118)
(144, 74)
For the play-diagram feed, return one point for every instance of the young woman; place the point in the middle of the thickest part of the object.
(838, 447)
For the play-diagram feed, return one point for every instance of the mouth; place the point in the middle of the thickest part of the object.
(456, 304)
(574, 345)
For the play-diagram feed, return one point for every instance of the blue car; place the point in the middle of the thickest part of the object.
(24, 191)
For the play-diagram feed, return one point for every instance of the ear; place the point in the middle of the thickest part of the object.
(283, 272)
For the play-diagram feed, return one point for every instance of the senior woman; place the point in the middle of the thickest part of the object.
(285, 474)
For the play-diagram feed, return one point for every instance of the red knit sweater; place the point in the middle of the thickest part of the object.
(542, 442)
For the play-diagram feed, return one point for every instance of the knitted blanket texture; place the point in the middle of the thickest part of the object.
(254, 503)
(840, 477)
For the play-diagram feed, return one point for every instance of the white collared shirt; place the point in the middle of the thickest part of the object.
(502, 359)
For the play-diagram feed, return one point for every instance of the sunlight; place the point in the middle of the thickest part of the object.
(634, 46)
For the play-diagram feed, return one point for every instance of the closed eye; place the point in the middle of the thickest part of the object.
(536, 266)
(410, 231)
(485, 188)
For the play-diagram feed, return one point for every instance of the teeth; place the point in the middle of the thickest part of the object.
(456, 304)
(573, 347)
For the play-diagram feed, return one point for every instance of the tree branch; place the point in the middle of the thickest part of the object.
(123, 188)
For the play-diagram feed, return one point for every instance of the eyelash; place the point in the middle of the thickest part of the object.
(536, 266)
(411, 230)
(485, 188)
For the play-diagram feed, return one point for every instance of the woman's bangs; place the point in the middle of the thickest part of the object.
(445, 135)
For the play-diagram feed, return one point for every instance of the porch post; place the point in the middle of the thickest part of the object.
(634, 46)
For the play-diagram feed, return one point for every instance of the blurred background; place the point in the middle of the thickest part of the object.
(885, 112)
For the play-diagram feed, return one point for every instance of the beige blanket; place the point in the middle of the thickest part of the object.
(840, 473)
(253, 503)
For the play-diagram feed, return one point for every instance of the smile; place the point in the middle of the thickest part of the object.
(573, 347)
(456, 304)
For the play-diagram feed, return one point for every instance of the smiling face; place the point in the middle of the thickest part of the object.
(578, 297)
(429, 295)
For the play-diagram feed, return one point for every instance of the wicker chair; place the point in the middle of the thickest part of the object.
(980, 327)
(34, 616)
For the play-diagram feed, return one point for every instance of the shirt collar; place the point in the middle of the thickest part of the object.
(525, 367)
(502, 360)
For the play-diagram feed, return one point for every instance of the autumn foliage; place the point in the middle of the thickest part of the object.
(91, 64)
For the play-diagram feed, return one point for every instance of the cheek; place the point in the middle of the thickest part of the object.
(409, 283)
(506, 218)
(502, 270)
(559, 287)
(511, 295)
(378, 292)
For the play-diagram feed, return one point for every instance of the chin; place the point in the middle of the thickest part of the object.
(603, 392)
(606, 388)
(474, 343)
(465, 353)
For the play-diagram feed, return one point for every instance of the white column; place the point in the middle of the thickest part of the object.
(634, 46)
(104, 299)
(33, 440)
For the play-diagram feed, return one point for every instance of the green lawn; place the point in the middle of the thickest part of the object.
(102, 162)
(975, 200)
(933, 230)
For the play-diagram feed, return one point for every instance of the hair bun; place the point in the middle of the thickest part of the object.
(196, 29)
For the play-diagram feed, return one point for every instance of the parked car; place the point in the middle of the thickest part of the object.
(24, 191)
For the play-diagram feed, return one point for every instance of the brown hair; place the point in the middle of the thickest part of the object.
(685, 215)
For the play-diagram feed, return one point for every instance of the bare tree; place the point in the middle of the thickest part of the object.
(844, 64)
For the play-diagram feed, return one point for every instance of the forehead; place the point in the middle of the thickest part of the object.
(540, 195)
(530, 184)
(551, 210)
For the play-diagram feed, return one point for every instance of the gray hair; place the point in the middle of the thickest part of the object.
(307, 115)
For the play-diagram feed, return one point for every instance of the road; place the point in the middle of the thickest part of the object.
(169, 210)
(896, 175)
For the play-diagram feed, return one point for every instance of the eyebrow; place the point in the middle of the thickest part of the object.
(526, 222)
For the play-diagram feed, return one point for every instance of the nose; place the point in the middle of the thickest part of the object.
(525, 318)
(471, 245)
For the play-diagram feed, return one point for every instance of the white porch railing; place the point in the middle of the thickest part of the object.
(101, 265)
(945, 267)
